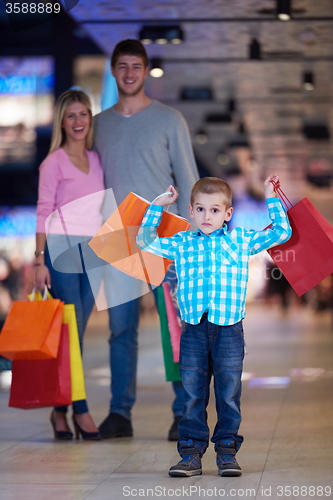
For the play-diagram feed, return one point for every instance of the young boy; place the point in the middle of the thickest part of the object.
(212, 270)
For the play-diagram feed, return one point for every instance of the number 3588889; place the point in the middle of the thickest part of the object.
(32, 8)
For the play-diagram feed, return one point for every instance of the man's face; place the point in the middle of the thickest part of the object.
(130, 74)
(209, 212)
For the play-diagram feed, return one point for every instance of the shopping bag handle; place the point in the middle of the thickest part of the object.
(46, 294)
(283, 197)
(160, 196)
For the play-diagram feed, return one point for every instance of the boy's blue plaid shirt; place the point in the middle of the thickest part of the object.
(212, 270)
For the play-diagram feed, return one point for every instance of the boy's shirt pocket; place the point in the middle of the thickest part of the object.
(228, 252)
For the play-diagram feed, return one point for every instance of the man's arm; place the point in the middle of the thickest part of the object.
(183, 164)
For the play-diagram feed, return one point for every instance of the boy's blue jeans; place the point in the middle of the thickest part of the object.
(205, 350)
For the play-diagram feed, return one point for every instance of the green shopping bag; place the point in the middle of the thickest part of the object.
(171, 368)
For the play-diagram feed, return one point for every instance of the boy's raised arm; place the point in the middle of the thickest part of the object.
(147, 238)
(280, 230)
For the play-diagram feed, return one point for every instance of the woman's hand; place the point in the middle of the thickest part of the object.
(42, 277)
(271, 187)
(167, 199)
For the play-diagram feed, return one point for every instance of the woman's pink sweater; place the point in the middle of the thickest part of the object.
(68, 199)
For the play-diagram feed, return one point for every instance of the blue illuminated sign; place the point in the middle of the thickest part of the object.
(19, 221)
(32, 84)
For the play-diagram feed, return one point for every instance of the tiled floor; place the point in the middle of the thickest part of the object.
(287, 407)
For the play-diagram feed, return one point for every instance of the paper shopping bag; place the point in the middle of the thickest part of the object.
(32, 330)
(115, 242)
(171, 368)
(77, 376)
(45, 382)
(173, 321)
(307, 257)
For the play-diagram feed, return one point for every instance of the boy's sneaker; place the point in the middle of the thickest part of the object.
(225, 459)
(190, 464)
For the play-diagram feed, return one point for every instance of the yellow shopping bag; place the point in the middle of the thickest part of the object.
(77, 375)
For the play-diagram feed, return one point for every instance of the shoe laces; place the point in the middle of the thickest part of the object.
(226, 458)
(186, 459)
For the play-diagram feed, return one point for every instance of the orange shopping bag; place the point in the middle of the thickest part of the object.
(32, 330)
(115, 242)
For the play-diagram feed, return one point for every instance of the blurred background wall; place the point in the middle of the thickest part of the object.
(254, 80)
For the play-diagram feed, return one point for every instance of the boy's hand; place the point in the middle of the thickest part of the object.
(167, 199)
(270, 187)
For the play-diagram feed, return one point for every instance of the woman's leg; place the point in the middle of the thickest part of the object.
(73, 288)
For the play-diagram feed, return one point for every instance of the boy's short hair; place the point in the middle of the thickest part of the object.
(212, 185)
(129, 48)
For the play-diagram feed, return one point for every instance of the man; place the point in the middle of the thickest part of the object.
(143, 146)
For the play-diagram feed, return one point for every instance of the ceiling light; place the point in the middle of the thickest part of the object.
(161, 34)
(161, 41)
(308, 80)
(254, 50)
(284, 17)
(223, 159)
(201, 137)
(175, 35)
(283, 8)
(156, 67)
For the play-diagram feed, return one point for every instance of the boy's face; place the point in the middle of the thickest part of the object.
(130, 74)
(209, 212)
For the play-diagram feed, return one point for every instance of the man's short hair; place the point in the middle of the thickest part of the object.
(212, 185)
(129, 48)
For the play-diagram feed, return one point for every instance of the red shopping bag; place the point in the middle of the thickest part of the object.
(32, 329)
(173, 322)
(69, 318)
(45, 382)
(115, 242)
(307, 257)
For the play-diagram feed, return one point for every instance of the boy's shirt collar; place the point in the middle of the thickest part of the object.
(218, 232)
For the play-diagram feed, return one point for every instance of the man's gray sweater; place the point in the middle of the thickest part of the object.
(146, 152)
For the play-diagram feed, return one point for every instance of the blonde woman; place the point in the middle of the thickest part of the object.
(70, 172)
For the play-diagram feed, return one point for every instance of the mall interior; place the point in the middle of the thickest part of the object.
(254, 81)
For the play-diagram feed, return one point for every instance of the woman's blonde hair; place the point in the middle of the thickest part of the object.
(65, 100)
